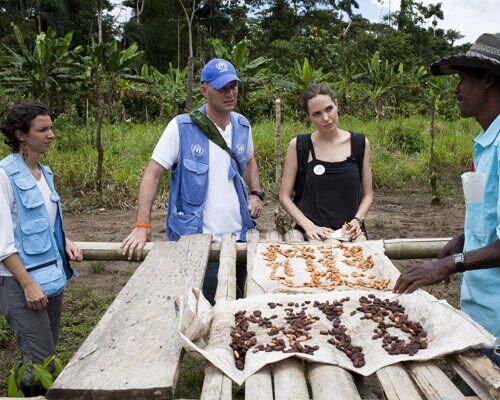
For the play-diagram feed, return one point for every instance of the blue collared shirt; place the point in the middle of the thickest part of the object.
(480, 291)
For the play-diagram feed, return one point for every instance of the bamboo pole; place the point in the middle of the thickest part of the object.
(396, 249)
(259, 385)
(216, 385)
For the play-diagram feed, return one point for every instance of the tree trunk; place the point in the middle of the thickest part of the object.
(100, 151)
(432, 167)
(277, 144)
(189, 84)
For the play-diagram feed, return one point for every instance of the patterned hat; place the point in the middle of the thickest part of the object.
(484, 54)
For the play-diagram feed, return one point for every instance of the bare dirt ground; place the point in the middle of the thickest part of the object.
(393, 215)
(407, 215)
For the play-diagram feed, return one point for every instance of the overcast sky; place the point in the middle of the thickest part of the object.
(469, 17)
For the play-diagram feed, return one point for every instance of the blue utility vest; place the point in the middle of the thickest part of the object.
(189, 181)
(40, 248)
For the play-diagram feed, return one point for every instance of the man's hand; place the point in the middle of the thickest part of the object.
(35, 297)
(455, 245)
(135, 241)
(75, 253)
(424, 275)
(254, 205)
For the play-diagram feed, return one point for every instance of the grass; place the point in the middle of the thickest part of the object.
(400, 156)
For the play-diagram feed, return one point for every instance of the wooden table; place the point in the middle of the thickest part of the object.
(135, 353)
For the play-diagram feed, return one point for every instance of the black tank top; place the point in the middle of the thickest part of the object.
(332, 190)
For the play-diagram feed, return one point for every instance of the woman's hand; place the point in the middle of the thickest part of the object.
(353, 229)
(74, 252)
(316, 232)
(35, 297)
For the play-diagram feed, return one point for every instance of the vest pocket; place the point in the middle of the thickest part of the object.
(184, 222)
(50, 278)
(28, 191)
(36, 236)
(194, 181)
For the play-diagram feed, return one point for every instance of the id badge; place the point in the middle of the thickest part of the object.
(474, 184)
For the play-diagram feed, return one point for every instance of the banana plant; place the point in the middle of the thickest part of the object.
(41, 71)
(254, 74)
(303, 75)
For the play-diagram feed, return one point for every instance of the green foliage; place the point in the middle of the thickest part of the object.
(97, 267)
(41, 71)
(6, 333)
(43, 374)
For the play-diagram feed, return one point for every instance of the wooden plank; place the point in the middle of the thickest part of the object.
(433, 382)
(329, 382)
(134, 352)
(216, 385)
(483, 369)
(259, 385)
(396, 383)
(468, 378)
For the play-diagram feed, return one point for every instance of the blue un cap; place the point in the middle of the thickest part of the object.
(218, 73)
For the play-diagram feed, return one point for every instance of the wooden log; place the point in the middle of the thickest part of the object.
(397, 249)
(134, 352)
(216, 385)
(329, 382)
(403, 249)
(433, 382)
(483, 369)
(259, 385)
(396, 383)
(110, 251)
(474, 384)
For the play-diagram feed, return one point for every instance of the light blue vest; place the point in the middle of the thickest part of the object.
(40, 249)
(189, 181)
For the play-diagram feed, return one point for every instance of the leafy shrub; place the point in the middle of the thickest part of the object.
(407, 138)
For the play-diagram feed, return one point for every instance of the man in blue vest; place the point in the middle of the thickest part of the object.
(475, 252)
(207, 189)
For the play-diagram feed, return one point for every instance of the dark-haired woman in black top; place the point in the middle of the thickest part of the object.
(335, 184)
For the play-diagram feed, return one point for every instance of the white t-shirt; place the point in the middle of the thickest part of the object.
(219, 217)
(8, 216)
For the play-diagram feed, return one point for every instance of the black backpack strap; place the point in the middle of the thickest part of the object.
(303, 147)
(358, 145)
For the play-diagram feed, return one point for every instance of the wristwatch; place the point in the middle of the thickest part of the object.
(260, 195)
(458, 260)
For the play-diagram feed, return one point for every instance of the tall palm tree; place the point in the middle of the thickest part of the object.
(434, 11)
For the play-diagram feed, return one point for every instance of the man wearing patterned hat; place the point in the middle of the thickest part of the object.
(475, 252)
(210, 152)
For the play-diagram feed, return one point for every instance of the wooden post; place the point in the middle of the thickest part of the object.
(277, 144)
(216, 384)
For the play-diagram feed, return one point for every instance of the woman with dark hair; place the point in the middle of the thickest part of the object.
(34, 252)
(327, 178)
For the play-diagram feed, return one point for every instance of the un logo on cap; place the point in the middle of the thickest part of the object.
(197, 149)
(221, 66)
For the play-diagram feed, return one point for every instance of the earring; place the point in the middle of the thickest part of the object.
(24, 151)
